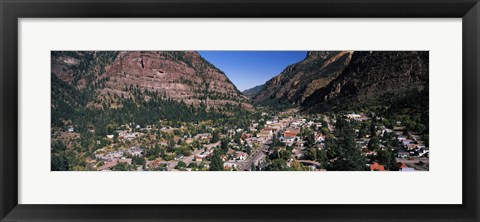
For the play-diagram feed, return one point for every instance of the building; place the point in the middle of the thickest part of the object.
(125, 160)
(377, 167)
(353, 116)
(230, 165)
(199, 158)
(287, 134)
(202, 136)
(179, 157)
(265, 133)
(239, 155)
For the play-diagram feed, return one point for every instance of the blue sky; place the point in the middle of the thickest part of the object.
(247, 69)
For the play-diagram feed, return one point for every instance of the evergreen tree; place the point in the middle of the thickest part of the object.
(215, 136)
(216, 163)
(224, 145)
(344, 153)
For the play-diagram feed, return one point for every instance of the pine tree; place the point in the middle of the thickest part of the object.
(216, 163)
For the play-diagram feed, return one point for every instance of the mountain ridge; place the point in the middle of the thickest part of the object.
(373, 78)
(253, 91)
(297, 81)
(183, 76)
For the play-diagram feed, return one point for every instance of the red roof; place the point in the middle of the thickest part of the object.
(289, 134)
(377, 167)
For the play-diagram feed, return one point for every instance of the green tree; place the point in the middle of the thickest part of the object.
(343, 153)
(216, 163)
(224, 144)
(215, 136)
(120, 167)
(277, 165)
(181, 165)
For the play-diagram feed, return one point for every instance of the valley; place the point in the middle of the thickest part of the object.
(176, 111)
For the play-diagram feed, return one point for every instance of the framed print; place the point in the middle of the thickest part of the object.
(228, 111)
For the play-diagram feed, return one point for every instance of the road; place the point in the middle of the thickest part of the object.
(254, 157)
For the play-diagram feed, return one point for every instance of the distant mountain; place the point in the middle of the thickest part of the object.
(253, 91)
(182, 76)
(375, 78)
(298, 81)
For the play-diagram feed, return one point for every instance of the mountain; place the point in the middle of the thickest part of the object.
(298, 81)
(375, 78)
(182, 76)
(253, 91)
(103, 90)
(80, 69)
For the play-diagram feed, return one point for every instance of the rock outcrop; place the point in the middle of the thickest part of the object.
(180, 75)
(298, 81)
(373, 78)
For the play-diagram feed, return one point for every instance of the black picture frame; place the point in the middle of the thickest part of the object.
(11, 11)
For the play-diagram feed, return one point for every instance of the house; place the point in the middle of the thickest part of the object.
(110, 136)
(295, 124)
(229, 165)
(377, 167)
(223, 157)
(276, 125)
(135, 151)
(71, 129)
(265, 133)
(353, 116)
(125, 160)
(406, 141)
(289, 134)
(239, 155)
(271, 129)
(293, 129)
(288, 140)
(179, 157)
(202, 136)
(199, 158)
(411, 146)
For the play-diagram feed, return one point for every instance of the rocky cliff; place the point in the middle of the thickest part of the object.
(183, 76)
(373, 78)
(298, 81)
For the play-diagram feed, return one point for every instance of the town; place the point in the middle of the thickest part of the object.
(283, 141)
